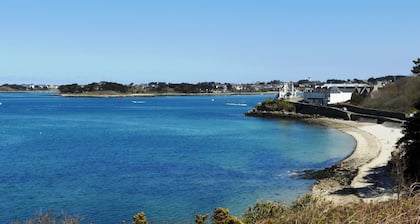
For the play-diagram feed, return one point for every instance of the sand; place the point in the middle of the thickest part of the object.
(375, 142)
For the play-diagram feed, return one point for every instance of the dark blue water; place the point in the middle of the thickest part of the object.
(172, 157)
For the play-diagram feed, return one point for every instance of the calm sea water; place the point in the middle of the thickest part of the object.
(172, 157)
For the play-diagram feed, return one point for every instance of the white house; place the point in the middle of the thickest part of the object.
(287, 90)
(330, 93)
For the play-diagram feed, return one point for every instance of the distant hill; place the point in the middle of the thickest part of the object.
(398, 96)
(12, 88)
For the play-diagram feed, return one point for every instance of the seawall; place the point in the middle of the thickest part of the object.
(304, 110)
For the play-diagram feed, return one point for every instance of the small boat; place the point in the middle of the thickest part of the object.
(138, 102)
(237, 104)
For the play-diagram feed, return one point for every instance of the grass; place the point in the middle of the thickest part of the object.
(311, 210)
(399, 96)
(276, 105)
(50, 217)
(306, 210)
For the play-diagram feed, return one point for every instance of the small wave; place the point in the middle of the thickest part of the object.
(294, 173)
(237, 104)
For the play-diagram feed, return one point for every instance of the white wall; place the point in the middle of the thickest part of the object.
(339, 97)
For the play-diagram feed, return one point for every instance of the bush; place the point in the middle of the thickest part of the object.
(356, 99)
(276, 105)
(407, 161)
(51, 218)
(221, 216)
(266, 211)
(304, 202)
(201, 219)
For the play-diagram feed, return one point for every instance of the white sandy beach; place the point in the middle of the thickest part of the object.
(375, 142)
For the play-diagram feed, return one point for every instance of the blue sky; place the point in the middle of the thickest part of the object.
(81, 41)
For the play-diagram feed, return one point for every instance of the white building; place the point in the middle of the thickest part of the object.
(287, 90)
(331, 93)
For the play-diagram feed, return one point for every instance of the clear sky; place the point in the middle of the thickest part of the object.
(81, 41)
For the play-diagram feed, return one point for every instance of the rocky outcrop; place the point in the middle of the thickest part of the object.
(278, 114)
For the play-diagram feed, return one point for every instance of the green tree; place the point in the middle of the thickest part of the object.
(409, 155)
(416, 67)
(72, 88)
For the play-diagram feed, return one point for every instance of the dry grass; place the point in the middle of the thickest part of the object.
(399, 96)
(306, 210)
(405, 210)
(50, 217)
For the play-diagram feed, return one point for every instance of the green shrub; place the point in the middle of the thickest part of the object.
(267, 211)
(221, 216)
(304, 202)
(276, 105)
(406, 162)
(356, 99)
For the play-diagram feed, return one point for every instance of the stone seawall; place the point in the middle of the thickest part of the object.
(303, 110)
(372, 112)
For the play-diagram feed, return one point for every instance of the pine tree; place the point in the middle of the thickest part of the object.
(416, 67)
(410, 145)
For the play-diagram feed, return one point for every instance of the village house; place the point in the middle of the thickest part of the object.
(334, 93)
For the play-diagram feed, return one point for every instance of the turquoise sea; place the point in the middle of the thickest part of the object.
(171, 157)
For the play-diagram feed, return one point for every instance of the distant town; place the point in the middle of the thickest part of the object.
(316, 91)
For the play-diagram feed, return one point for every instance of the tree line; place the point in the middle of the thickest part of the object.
(92, 87)
(153, 87)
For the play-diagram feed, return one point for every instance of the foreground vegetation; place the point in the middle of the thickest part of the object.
(309, 210)
(406, 160)
(304, 210)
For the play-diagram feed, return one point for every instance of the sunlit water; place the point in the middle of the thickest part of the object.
(172, 157)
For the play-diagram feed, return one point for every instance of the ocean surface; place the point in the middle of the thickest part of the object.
(171, 157)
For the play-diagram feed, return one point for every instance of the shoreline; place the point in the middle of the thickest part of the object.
(117, 95)
(363, 175)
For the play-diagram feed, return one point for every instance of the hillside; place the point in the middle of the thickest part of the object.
(398, 96)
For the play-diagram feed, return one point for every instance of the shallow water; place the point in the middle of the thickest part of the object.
(107, 159)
